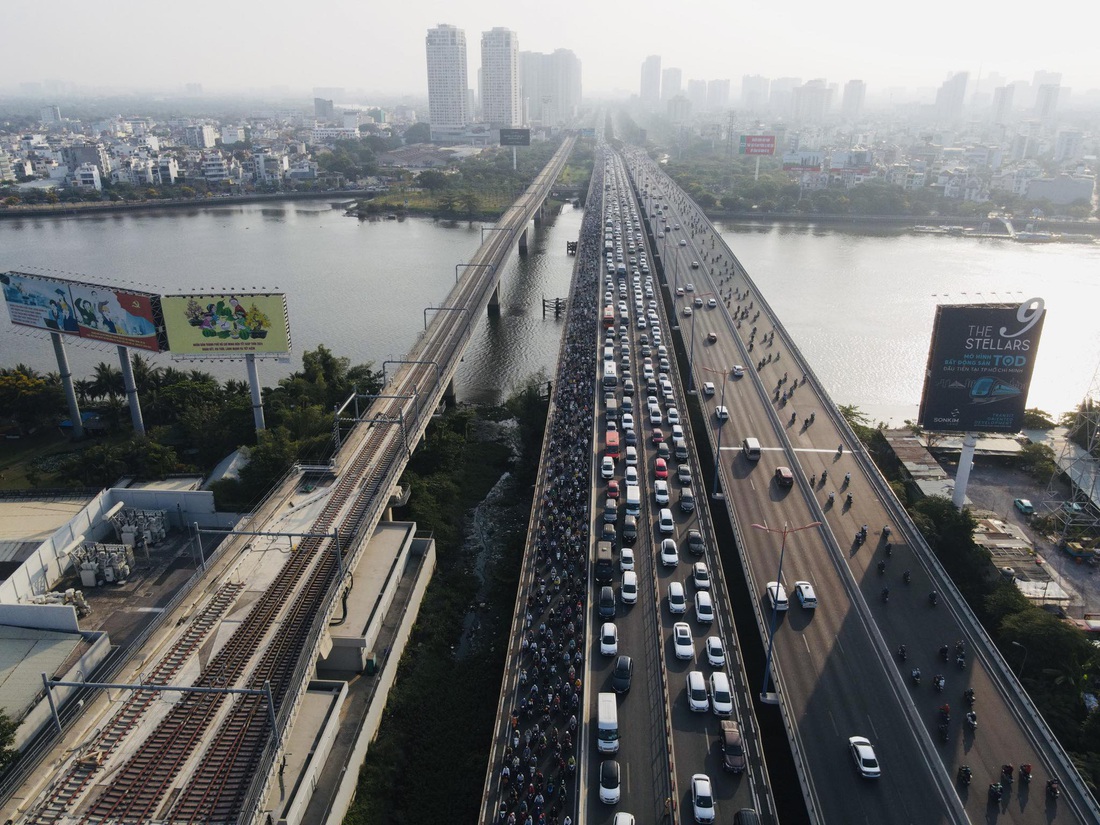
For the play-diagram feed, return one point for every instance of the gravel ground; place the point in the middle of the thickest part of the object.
(993, 488)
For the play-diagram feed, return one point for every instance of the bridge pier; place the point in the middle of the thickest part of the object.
(449, 397)
(493, 306)
(539, 213)
(523, 242)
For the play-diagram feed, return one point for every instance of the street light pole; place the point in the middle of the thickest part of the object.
(1023, 664)
(715, 493)
(772, 698)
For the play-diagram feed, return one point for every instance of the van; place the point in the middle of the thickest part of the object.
(751, 448)
(607, 723)
(665, 524)
(605, 563)
(633, 500)
(607, 602)
(680, 449)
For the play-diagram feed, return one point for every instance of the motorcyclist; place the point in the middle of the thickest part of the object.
(933, 597)
(886, 594)
(847, 478)
(945, 708)
(848, 498)
(831, 497)
(1025, 772)
(965, 774)
(881, 567)
(943, 652)
(972, 719)
(824, 475)
(938, 681)
(813, 479)
(902, 653)
(907, 576)
(915, 675)
(968, 695)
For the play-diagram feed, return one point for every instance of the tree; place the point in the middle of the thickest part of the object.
(1036, 419)
(7, 739)
(432, 180)
(418, 133)
(106, 381)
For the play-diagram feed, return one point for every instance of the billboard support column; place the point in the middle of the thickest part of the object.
(131, 390)
(962, 476)
(67, 384)
(254, 387)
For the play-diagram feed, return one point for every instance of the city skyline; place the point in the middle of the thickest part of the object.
(381, 49)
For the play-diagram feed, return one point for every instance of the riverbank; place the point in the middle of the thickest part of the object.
(65, 210)
(987, 226)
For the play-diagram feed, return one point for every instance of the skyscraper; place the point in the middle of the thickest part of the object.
(754, 92)
(500, 78)
(851, 105)
(670, 83)
(651, 80)
(447, 85)
(951, 96)
(697, 94)
(718, 94)
(812, 101)
(1002, 104)
(550, 86)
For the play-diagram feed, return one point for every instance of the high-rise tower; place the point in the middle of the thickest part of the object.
(500, 78)
(447, 84)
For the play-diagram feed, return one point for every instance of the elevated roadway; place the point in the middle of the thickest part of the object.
(835, 668)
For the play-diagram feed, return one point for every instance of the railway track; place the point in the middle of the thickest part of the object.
(142, 788)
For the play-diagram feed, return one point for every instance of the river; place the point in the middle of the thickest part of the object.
(858, 304)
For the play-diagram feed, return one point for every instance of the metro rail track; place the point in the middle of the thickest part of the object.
(225, 773)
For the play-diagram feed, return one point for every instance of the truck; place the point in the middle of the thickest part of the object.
(607, 723)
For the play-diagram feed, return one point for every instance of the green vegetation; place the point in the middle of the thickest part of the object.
(1062, 664)
(8, 754)
(445, 701)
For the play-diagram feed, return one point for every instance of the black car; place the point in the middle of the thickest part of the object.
(620, 677)
(695, 543)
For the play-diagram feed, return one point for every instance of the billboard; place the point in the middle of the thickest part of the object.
(757, 145)
(226, 326)
(90, 311)
(979, 366)
(515, 137)
(802, 162)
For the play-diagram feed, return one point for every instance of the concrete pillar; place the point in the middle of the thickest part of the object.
(523, 242)
(254, 388)
(538, 213)
(131, 390)
(449, 397)
(962, 477)
(493, 307)
(67, 384)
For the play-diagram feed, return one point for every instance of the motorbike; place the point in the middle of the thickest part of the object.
(886, 532)
(886, 594)
(943, 732)
(794, 417)
(972, 720)
(915, 675)
(831, 497)
(902, 654)
(933, 598)
(881, 567)
(996, 791)
(943, 653)
(968, 695)
(840, 449)
(965, 774)
(889, 548)
(848, 500)
(960, 660)
(847, 479)
(907, 577)
(1025, 773)
(824, 475)
(1054, 788)
(1006, 773)
(938, 682)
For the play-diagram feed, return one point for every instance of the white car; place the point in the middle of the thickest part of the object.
(609, 782)
(609, 639)
(689, 287)
(677, 601)
(712, 303)
(660, 491)
(702, 798)
(697, 692)
(632, 476)
(607, 467)
(716, 653)
(683, 242)
(682, 644)
(673, 416)
(670, 556)
(777, 595)
(687, 312)
(704, 607)
(722, 413)
(738, 371)
(629, 590)
(628, 421)
(863, 754)
(721, 694)
(806, 596)
(708, 388)
(626, 559)
(700, 576)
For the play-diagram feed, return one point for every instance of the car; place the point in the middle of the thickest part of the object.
(738, 371)
(689, 287)
(609, 782)
(679, 291)
(784, 477)
(660, 491)
(702, 798)
(698, 302)
(721, 694)
(626, 559)
(700, 576)
(716, 653)
(733, 747)
(657, 436)
(673, 415)
(687, 312)
(682, 645)
(630, 438)
(660, 468)
(683, 242)
(622, 674)
(677, 601)
(628, 421)
(608, 533)
(628, 386)
(697, 692)
(629, 590)
(683, 474)
(607, 467)
(607, 602)
(613, 488)
(665, 522)
(631, 457)
(721, 413)
(694, 264)
(609, 639)
(655, 417)
(806, 596)
(687, 500)
(695, 543)
(712, 303)
(704, 607)
(664, 452)
(712, 337)
(670, 556)
(1024, 506)
(610, 511)
(863, 754)
(1072, 507)
(677, 431)
(708, 386)
(777, 595)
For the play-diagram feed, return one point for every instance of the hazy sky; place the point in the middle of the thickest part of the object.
(379, 46)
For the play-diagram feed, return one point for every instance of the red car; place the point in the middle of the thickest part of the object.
(658, 435)
(660, 469)
(613, 489)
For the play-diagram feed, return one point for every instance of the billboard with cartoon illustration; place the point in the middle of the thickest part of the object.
(979, 366)
(91, 311)
(224, 326)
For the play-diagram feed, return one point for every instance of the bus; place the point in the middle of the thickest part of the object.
(610, 376)
(608, 316)
(612, 442)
